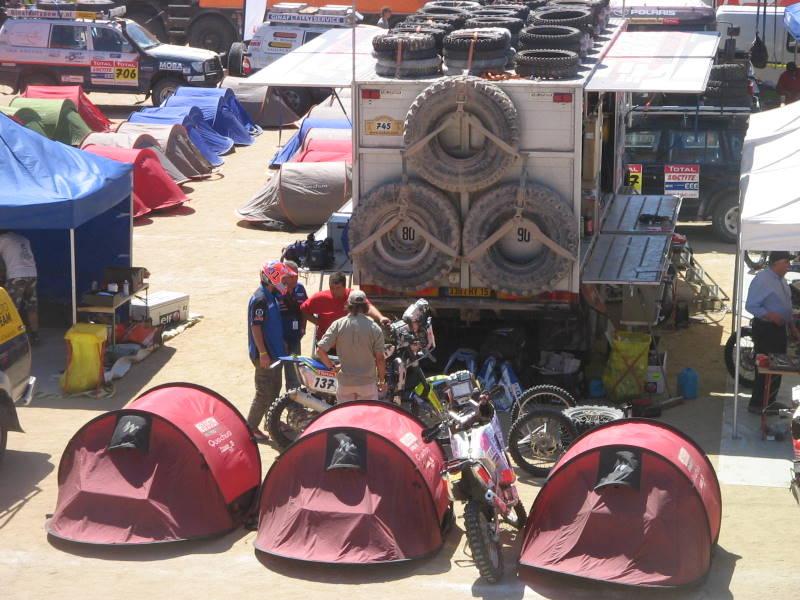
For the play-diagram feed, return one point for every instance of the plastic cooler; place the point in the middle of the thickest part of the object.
(86, 344)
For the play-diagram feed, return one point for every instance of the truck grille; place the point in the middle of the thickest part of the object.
(212, 65)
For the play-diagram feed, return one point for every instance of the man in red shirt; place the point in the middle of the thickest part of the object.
(789, 83)
(323, 308)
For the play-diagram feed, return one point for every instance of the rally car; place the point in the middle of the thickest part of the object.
(99, 51)
(16, 383)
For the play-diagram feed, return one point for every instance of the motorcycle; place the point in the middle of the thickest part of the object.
(479, 473)
(409, 340)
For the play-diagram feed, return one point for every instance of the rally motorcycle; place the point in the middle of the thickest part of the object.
(480, 475)
(409, 340)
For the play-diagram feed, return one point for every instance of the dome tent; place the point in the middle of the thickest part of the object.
(92, 115)
(177, 463)
(634, 502)
(60, 118)
(25, 116)
(135, 141)
(175, 142)
(229, 102)
(359, 486)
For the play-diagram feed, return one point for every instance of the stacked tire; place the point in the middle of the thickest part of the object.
(477, 50)
(728, 85)
(406, 54)
(554, 37)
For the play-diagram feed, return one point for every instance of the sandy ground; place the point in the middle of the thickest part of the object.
(202, 250)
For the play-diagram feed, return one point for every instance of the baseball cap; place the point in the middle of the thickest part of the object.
(779, 255)
(356, 298)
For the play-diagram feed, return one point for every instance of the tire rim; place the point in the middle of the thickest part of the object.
(544, 441)
(167, 93)
(395, 250)
(731, 220)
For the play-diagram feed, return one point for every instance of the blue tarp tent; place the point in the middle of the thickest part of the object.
(791, 20)
(74, 207)
(296, 141)
(229, 101)
(216, 116)
(209, 142)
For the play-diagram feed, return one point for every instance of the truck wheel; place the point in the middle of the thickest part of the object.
(518, 263)
(444, 161)
(402, 259)
(150, 21)
(297, 99)
(163, 89)
(725, 219)
(212, 33)
(236, 59)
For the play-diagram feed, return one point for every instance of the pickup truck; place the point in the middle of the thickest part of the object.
(16, 383)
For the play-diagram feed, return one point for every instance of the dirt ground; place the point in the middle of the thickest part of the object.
(203, 250)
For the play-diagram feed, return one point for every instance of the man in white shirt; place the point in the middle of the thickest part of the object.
(16, 254)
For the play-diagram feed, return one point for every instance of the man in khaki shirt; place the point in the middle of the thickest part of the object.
(359, 344)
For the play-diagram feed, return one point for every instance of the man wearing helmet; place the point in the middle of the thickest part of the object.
(265, 340)
(359, 344)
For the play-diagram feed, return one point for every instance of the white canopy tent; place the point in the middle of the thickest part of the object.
(769, 198)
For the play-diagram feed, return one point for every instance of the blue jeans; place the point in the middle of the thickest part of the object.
(292, 347)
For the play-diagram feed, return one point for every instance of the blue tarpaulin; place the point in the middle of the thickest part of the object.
(71, 205)
(296, 141)
(229, 100)
(209, 142)
(791, 20)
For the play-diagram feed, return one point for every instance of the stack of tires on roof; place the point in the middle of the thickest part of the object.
(537, 38)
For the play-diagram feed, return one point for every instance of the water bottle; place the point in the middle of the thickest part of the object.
(688, 383)
(126, 288)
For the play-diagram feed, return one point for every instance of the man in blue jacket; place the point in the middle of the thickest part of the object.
(265, 340)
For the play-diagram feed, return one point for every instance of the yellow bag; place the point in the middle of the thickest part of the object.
(86, 343)
(625, 374)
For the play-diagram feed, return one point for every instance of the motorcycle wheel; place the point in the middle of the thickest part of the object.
(549, 395)
(286, 420)
(486, 552)
(756, 260)
(586, 417)
(519, 517)
(747, 358)
(539, 438)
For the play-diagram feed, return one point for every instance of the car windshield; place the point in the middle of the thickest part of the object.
(140, 36)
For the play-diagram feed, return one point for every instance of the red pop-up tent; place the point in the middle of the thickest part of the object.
(325, 151)
(153, 188)
(94, 118)
(359, 486)
(177, 463)
(634, 502)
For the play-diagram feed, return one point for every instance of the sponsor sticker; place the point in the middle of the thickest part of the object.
(167, 65)
(383, 125)
(633, 177)
(72, 79)
(207, 425)
(682, 180)
(114, 72)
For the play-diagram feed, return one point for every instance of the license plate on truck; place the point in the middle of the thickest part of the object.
(469, 292)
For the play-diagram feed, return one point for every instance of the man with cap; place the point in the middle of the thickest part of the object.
(769, 300)
(359, 344)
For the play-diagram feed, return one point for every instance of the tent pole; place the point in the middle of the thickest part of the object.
(737, 312)
(72, 276)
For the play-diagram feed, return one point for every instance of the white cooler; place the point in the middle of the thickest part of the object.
(163, 308)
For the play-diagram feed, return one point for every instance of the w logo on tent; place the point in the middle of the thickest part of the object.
(130, 428)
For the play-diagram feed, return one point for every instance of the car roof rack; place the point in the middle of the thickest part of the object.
(70, 15)
(299, 13)
(691, 110)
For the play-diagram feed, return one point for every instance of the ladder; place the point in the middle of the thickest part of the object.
(710, 297)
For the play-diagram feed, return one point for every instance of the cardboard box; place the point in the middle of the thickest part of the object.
(94, 299)
(134, 275)
(162, 308)
(336, 225)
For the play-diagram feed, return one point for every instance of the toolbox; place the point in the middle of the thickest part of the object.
(162, 308)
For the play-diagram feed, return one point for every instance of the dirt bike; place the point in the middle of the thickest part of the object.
(543, 433)
(409, 340)
(480, 475)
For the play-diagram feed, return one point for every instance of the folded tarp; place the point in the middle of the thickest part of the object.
(300, 195)
(60, 119)
(216, 115)
(175, 142)
(136, 141)
(92, 115)
(153, 189)
(265, 107)
(25, 116)
(209, 142)
(325, 151)
(229, 100)
(296, 141)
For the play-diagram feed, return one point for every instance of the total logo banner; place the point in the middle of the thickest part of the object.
(682, 180)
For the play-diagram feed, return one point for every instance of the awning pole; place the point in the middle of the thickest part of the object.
(72, 276)
(737, 312)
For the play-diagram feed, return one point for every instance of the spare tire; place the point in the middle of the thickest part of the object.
(548, 63)
(518, 263)
(571, 17)
(550, 36)
(490, 11)
(446, 22)
(409, 42)
(480, 40)
(462, 4)
(437, 33)
(429, 9)
(462, 170)
(521, 11)
(401, 259)
(511, 23)
(728, 72)
(409, 68)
